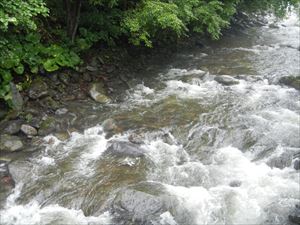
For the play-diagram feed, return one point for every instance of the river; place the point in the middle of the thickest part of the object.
(204, 152)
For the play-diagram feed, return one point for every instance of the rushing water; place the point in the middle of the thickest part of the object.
(221, 154)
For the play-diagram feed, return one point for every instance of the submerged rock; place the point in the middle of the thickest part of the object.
(123, 148)
(38, 89)
(10, 143)
(291, 81)
(28, 130)
(97, 93)
(226, 80)
(109, 125)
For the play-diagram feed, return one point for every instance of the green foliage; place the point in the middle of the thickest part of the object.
(149, 18)
(33, 33)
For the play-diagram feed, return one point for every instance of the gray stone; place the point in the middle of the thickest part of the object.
(64, 78)
(109, 125)
(16, 98)
(297, 164)
(10, 143)
(226, 80)
(28, 130)
(123, 148)
(11, 126)
(97, 92)
(139, 205)
(38, 89)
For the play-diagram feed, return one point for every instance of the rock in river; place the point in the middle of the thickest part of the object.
(109, 125)
(28, 130)
(123, 148)
(291, 81)
(140, 205)
(97, 92)
(226, 80)
(10, 143)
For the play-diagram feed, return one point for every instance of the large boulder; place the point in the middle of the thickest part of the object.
(10, 143)
(127, 149)
(140, 204)
(226, 80)
(38, 89)
(97, 92)
(291, 81)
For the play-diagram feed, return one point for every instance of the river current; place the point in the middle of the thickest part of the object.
(212, 153)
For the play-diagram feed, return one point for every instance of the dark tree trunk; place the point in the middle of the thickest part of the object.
(73, 8)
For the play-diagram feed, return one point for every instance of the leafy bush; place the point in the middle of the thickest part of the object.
(31, 40)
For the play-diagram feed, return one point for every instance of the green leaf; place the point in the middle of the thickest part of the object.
(50, 65)
(19, 69)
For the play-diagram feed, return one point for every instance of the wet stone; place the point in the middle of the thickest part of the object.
(127, 149)
(297, 164)
(97, 93)
(28, 130)
(109, 125)
(226, 80)
(10, 143)
(139, 206)
(291, 81)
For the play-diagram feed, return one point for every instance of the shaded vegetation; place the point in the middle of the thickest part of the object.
(39, 36)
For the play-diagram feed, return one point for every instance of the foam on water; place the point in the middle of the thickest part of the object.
(34, 214)
(259, 189)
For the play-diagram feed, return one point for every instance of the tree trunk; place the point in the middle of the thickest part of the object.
(73, 8)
